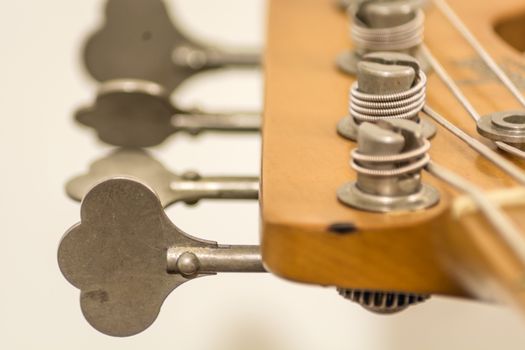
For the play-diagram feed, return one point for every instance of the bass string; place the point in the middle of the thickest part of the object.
(481, 51)
(497, 218)
(504, 164)
(505, 228)
(456, 91)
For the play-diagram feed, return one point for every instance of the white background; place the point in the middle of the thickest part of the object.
(42, 82)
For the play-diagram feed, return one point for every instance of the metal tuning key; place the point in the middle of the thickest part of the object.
(389, 86)
(135, 113)
(139, 41)
(126, 256)
(189, 187)
(388, 160)
(378, 25)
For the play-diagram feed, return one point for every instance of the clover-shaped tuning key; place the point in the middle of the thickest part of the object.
(126, 257)
(189, 187)
(139, 41)
(135, 113)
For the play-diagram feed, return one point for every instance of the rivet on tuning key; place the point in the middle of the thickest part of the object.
(139, 41)
(378, 25)
(190, 187)
(389, 86)
(507, 127)
(388, 160)
(136, 113)
(126, 257)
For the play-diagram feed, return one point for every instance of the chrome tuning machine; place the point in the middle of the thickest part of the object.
(189, 187)
(135, 113)
(389, 86)
(126, 257)
(139, 41)
(378, 25)
(388, 160)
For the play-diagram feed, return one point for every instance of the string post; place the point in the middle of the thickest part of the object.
(389, 86)
(388, 160)
(395, 26)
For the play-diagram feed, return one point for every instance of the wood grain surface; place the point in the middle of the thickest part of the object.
(305, 161)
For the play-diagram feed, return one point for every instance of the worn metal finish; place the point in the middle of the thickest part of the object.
(351, 195)
(507, 127)
(135, 113)
(389, 86)
(395, 26)
(190, 261)
(117, 256)
(382, 302)
(189, 187)
(388, 162)
(138, 40)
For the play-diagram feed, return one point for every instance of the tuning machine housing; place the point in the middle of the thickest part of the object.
(395, 26)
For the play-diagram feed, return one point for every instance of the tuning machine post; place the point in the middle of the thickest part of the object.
(388, 160)
(126, 257)
(136, 113)
(189, 187)
(377, 25)
(139, 41)
(389, 86)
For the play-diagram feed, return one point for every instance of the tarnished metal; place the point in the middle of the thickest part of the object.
(135, 113)
(190, 261)
(389, 85)
(507, 127)
(118, 257)
(379, 25)
(139, 41)
(388, 162)
(189, 187)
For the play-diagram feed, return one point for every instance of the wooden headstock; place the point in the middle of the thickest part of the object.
(308, 236)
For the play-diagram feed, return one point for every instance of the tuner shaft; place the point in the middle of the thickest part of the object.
(191, 261)
(197, 122)
(193, 187)
(199, 58)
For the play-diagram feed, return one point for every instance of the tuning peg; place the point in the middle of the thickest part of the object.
(139, 41)
(389, 85)
(136, 113)
(126, 257)
(189, 187)
(377, 25)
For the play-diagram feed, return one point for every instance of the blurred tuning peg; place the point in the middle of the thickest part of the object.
(189, 187)
(135, 113)
(139, 41)
(126, 256)
(343, 5)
